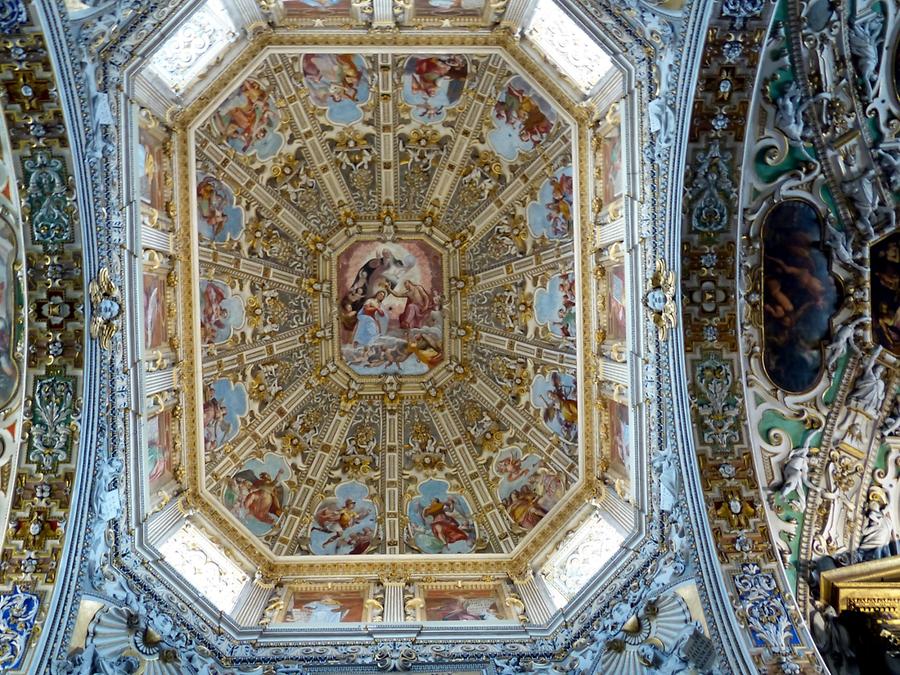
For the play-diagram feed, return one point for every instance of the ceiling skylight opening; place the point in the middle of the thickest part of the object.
(580, 557)
(195, 45)
(567, 45)
(205, 566)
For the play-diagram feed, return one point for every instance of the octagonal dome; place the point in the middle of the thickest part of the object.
(378, 265)
(386, 303)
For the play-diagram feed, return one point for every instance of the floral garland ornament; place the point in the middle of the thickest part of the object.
(106, 308)
(660, 299)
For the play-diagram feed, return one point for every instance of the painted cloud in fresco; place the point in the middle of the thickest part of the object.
(556, 397)
(248, 119)
(522, 120)
(339, 83)
(554, 305)
(221, 313)
(256, 494)
(432, 84)
(551, 215)
(224, 403)
(218, 219)
(440, 521)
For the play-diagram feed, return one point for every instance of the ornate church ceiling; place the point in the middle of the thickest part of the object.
(409, 341)
(387, 297)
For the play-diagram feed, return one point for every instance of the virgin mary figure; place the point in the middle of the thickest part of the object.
(371, 321)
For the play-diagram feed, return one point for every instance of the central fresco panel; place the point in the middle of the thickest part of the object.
(388, 304)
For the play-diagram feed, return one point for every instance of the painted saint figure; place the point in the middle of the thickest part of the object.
(432, 84)
(248, 121)
(344, 524)
(443, 525)
(338, 83)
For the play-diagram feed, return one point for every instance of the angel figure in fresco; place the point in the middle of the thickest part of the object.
(216, 426)
(524, 507)
(561, 405)
(427, 75)
(212, 202)
(250, 116)
(214, 314)
(338, 73)
(360, 541)
(445, 521)
(522, 112)
(261, 495)
(559, 209)
(427, 348)
(510, 468)
(335, 521)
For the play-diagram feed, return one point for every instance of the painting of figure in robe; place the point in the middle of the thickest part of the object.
(339, 83)
(556, 397)
(316, 608)
(159, 450)
(799, 295)
(155, 329)
(616, 324)
(619, 438)
(463, 605)
(522, 120)
(391, 307)
(440, 521)
(256, 494)
(221, 312)
(885, 279)
(611, 169)
(551, 215)
(528, 488)
(224, 403)
(555, 305)
(345, 524)
(218, 218)
(433, 84)
(151, 168)
(249, 119)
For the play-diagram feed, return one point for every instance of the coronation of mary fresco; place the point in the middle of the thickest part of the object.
(450, 336)
(390, 307)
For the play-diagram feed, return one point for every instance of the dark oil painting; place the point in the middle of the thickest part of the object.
(799, 295)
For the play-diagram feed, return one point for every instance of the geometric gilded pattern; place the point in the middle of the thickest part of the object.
(385, 303)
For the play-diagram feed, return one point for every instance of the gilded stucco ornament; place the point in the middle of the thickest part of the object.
(660, 299)
(107, 307)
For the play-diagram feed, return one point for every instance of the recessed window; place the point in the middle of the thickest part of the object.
(194, 46)
(567, 45)
(205, 566)
(580, 557)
